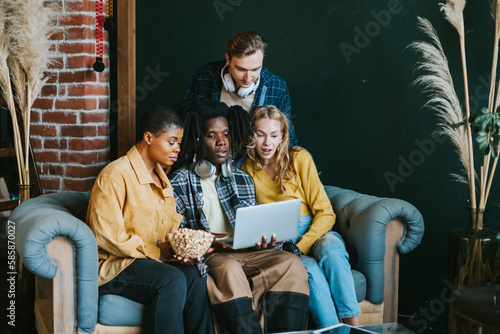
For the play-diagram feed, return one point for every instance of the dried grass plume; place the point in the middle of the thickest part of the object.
(453, 11)
(25, 30)
(436, 81)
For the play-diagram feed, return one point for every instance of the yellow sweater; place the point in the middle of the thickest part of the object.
(130, 214)
(309, 189)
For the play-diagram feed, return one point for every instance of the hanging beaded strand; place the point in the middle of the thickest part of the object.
(110, 23)
(99, 36)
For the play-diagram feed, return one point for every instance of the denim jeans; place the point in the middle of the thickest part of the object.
(175, 293)
(331, 286)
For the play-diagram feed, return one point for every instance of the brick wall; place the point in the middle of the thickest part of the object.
(69, 130)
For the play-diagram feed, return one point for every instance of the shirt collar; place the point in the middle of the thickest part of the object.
(140, 168)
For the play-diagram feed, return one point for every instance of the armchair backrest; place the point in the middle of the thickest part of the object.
(38, 222)
(363, 220)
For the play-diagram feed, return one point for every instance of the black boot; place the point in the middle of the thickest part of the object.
(236, 317)
(285, 311)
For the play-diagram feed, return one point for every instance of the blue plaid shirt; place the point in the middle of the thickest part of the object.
(207, 84)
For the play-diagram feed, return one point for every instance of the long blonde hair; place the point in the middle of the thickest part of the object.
(284, 153)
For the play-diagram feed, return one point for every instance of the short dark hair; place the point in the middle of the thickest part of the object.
(245, 43)
(159, 119)
(194, 113)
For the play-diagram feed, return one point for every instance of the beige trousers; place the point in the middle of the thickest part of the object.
(252, 274)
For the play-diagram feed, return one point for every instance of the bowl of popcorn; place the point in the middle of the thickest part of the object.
(190, 243)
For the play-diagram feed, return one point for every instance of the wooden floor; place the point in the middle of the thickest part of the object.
(24, 321)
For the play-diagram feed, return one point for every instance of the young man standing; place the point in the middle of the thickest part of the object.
(251, 290)
(242, 79)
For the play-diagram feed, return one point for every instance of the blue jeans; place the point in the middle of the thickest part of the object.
(331, 286)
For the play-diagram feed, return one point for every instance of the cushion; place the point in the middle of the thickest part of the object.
(359, 285)
(119, 311)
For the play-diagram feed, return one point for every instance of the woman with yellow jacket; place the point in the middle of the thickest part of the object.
(282, 173)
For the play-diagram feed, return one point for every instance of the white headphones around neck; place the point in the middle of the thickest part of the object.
(206, 169)
(244, 92)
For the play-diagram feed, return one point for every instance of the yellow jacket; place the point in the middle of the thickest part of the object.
(130, 214)
(309, 189)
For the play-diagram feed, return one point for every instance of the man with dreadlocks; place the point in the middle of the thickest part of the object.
(251, 290)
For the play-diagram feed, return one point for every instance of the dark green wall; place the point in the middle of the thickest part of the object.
(357, 114)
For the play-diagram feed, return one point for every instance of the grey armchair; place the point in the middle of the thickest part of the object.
(376, 231)
(57, 246)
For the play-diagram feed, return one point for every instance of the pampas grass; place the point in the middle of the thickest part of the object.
(25, 28)
(495, 12)
(437, 82)
(453, 13)
(6, 88)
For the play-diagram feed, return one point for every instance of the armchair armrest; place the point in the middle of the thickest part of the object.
(366, 223)
(40, 224)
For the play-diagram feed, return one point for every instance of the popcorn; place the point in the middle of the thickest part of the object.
(190, 243)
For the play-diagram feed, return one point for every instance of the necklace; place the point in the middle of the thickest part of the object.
(271, 163)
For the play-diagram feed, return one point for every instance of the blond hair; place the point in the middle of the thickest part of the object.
(284, 153)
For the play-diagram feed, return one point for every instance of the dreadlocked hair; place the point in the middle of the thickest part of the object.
(240, 130)
(284, 153)
(195, 113)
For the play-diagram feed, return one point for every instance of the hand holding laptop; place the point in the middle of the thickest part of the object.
(258, 245)
(256, 225)
(264, 243)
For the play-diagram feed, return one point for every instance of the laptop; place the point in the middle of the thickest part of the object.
(280, 218)
(346, 329)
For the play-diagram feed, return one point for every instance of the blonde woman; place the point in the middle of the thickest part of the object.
(282, 173)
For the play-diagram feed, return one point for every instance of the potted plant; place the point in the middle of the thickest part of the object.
(459, 124)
